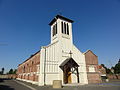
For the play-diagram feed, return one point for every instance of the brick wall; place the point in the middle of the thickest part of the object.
(92, 61)
(91, 58)
(113, 76)
(9, 76)
(93, 78)
(29, 69)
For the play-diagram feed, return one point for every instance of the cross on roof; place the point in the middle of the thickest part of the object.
(70, 53)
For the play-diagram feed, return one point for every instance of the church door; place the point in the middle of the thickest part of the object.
(67, 75)
(69, 66)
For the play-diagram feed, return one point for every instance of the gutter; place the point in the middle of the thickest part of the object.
(45, 67)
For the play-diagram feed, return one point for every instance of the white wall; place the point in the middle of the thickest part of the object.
(51, 64)
(56, 53)
(80, 59)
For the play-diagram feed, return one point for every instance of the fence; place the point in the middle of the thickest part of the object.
(9, 76)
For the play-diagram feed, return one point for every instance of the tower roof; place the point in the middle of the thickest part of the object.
(61, 17)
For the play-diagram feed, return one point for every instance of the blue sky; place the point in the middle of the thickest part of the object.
(24, 28)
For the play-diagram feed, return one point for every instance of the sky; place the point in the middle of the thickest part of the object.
(24, 28)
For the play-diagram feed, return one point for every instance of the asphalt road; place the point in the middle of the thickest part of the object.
(6, 84)
(18, 85)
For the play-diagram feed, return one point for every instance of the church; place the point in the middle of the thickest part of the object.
(60, 60)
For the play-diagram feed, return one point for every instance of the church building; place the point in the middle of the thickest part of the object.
(60, 60)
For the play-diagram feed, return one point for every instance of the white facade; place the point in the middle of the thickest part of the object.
(52, 55)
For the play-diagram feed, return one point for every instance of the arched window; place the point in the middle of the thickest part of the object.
(32, 62)
(56, 28)
(53, 30)
(67, 29)
(23, 69)
(62, 27)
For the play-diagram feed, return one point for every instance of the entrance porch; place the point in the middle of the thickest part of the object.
(70, 69)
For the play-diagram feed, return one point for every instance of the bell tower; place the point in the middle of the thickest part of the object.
(61, 31)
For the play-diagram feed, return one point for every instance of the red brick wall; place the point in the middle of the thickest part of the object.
(92, 60)
(113, 76)
(29, 67)
(93, 78)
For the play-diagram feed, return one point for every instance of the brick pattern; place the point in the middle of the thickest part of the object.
(92, 60)
(93, 78)
(113, 76)
(30, 68)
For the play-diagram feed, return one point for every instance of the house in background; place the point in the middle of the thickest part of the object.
(102, 71)
(93, 73)
(60, 60)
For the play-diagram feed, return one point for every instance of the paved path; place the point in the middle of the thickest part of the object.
(13, 85)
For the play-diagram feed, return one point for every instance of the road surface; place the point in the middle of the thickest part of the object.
(6, 84)
(20, 85)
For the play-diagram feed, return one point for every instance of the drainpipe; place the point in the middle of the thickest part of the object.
(45, 67)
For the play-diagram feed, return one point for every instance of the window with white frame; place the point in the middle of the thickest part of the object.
(55, 29)
(91, 69)
(65, 28)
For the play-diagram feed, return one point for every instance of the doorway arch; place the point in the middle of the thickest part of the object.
(69, 66)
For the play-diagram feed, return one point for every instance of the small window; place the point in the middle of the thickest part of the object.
(24, 69)
(91, 69)
(54, 29)
(67, 29)
(62, 26)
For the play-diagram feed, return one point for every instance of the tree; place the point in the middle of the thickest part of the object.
(11, 71)
(14, 72)
(103, 65)
(119, 61)
(117, 68)
(2, 72)
(108, 71)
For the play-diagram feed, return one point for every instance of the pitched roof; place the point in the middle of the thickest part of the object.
(61, 17)
(89, 51)
(67, 60)
(30, 57)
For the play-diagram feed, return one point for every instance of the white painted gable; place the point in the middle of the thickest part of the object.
(56, 52)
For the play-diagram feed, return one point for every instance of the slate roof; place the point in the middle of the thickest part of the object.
(61, 17)
(29, 57)
(67, 60)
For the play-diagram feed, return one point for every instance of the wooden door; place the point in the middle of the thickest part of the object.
(69, 77)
